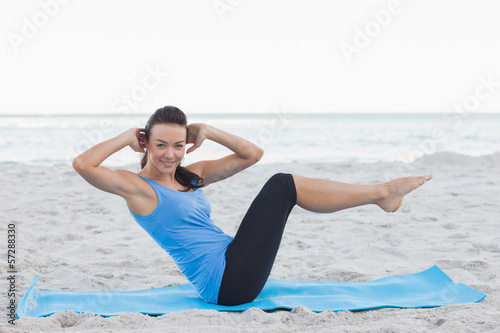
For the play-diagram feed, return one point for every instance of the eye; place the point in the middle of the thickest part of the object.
(179, 146)
(160, 145)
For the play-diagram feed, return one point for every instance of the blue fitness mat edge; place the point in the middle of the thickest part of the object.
(429, 288)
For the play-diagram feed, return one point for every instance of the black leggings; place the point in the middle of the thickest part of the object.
(250, 256)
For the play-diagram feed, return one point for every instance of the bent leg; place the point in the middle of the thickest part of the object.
(250, 256)
(327, 196)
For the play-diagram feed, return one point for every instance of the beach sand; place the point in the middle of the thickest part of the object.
(81, 239)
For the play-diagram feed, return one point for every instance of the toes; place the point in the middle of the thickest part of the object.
(423, 179)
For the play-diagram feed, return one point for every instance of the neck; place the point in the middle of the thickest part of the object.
(151, 171)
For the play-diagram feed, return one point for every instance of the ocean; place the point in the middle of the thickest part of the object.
(285, 137)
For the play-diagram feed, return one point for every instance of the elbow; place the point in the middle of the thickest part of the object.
(78, 165)
(259, 152)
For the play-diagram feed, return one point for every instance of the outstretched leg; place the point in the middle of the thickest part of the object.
(326, 196)
(250, 257)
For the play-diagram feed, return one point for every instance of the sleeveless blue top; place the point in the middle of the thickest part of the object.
(182, 226)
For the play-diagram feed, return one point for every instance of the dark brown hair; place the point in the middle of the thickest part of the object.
(172, 115)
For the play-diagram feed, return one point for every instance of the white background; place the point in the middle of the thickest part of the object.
(246, 56)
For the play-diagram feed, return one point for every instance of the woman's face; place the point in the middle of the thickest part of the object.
(166, 146)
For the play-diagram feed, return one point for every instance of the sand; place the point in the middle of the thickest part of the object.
(81, 239)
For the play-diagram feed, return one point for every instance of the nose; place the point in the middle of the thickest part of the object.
(169, 153)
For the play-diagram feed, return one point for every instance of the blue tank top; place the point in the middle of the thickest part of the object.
(182, 226)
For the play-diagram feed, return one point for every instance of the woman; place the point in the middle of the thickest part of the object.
(166, 199)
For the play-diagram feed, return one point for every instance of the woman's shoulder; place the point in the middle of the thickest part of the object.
(137, 181)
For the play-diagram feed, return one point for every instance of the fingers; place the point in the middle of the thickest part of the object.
(142, 141)
(138, 140)
(138, 148)
(197, 141)
(141, 137)
(191, 149)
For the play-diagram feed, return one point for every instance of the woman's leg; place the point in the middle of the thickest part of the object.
(326, 196)
(250, 257)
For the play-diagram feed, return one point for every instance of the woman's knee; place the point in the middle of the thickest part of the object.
(280, 176)
(286, 183)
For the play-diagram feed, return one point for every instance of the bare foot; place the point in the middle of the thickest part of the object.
(396, 189)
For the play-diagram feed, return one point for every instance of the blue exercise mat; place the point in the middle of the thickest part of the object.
(429, 288)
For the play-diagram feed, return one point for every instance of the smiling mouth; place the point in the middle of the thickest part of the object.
(167, 164)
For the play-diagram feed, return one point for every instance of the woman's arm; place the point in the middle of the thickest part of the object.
(245, 153)
(88, 164)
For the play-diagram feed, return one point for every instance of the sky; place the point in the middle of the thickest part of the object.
(238, 56)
